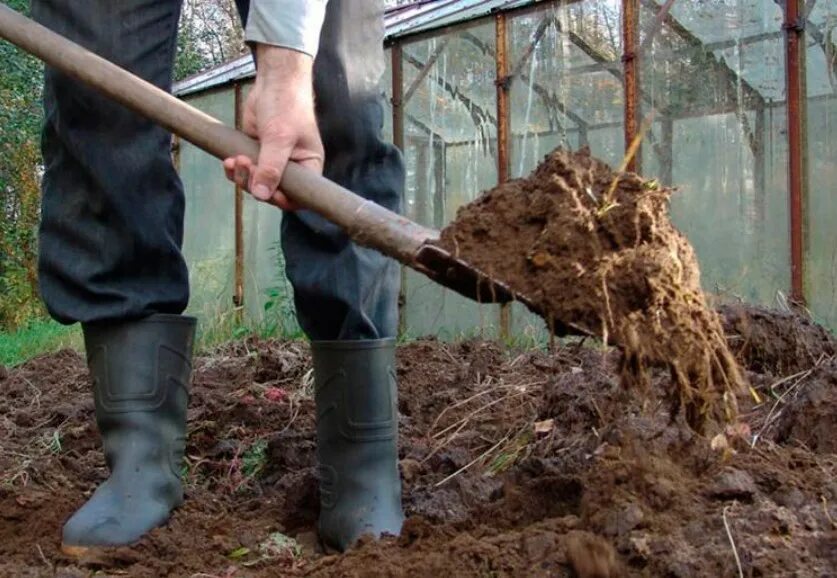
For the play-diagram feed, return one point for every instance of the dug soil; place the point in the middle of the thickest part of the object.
(595, 250)
(515, 463)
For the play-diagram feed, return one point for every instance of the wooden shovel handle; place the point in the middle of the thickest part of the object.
(365, 222)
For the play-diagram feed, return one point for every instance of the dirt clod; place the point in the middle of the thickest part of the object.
(733, 484)
(592, 556)
(596, 251)
(774, 342)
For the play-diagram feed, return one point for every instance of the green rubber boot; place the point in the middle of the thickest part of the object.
(357, 440)
(140, 372)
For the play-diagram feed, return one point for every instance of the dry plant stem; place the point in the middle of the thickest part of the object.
(769, 419)
(474, 461)
(480, 409)
(444, 442)
(629, 156)
(827, 513)
(611, 264)
(732, 542)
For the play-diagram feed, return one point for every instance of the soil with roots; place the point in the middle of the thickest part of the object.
(595, 250)
(515, 463)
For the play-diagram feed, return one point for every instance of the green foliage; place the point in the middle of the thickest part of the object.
(278, 315)
(279, 310)
(20, 166)
(189, 59)
(18, 237)
(35, 338)
(209, 34)
(254, 459)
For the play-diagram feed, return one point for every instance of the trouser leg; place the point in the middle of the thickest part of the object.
(343, 291)
(111, 232)
(112, 222)
(346, 296)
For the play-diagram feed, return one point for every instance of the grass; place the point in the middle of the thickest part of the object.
(277, 322)
(232, 326)
(37, 337)
(43, 336)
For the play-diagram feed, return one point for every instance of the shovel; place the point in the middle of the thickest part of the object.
(366, 223)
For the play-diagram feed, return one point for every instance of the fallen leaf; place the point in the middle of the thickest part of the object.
(238, 553)
(719, 442)
(544, 427)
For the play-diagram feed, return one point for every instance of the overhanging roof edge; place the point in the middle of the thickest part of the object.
(400, 21)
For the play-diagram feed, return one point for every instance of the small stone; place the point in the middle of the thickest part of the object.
(540, 260)
(544, 427)
(410, 469)
(538, 546)
(784, 521)
(622, 521)
(4, 373)
(308, 541)
(640, 547)
(592, 557)
(791, 498)
(733, 484)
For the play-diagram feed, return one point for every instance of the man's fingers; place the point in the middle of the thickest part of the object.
(280, 200)
(314, 163)
(306, 159)
(273, 158)
(229, 168)
(238, 169)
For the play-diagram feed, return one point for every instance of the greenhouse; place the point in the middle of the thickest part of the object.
(733, 101)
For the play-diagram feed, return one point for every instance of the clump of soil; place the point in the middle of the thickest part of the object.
(596, 251)
(775, 342)
(515, 463)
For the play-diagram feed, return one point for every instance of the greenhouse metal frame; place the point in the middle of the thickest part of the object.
(663, 43)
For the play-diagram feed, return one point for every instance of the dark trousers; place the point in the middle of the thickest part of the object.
(113, 205)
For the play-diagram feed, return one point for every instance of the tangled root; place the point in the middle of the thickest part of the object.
(608, 260)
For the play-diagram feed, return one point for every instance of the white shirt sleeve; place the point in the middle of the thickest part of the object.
(294, 24)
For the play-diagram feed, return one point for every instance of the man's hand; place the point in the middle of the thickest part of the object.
(279, 113)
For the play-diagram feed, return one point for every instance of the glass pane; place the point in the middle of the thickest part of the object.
(714, 77)
(209, 235)
(268, 296)
(566, 90)
(821, 82)
(450, 140)
(566, 81)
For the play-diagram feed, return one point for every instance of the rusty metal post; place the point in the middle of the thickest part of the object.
(398, 140)
(630, 64)
(503, 82)
(760, 168)
(397, 96)
(794, 71)
(667, 146)
(238, 293)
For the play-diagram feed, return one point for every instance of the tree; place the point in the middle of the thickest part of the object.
(20, 167)
(209, 35)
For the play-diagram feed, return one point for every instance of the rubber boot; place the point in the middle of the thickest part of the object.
(357, 440)
(140, 372)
